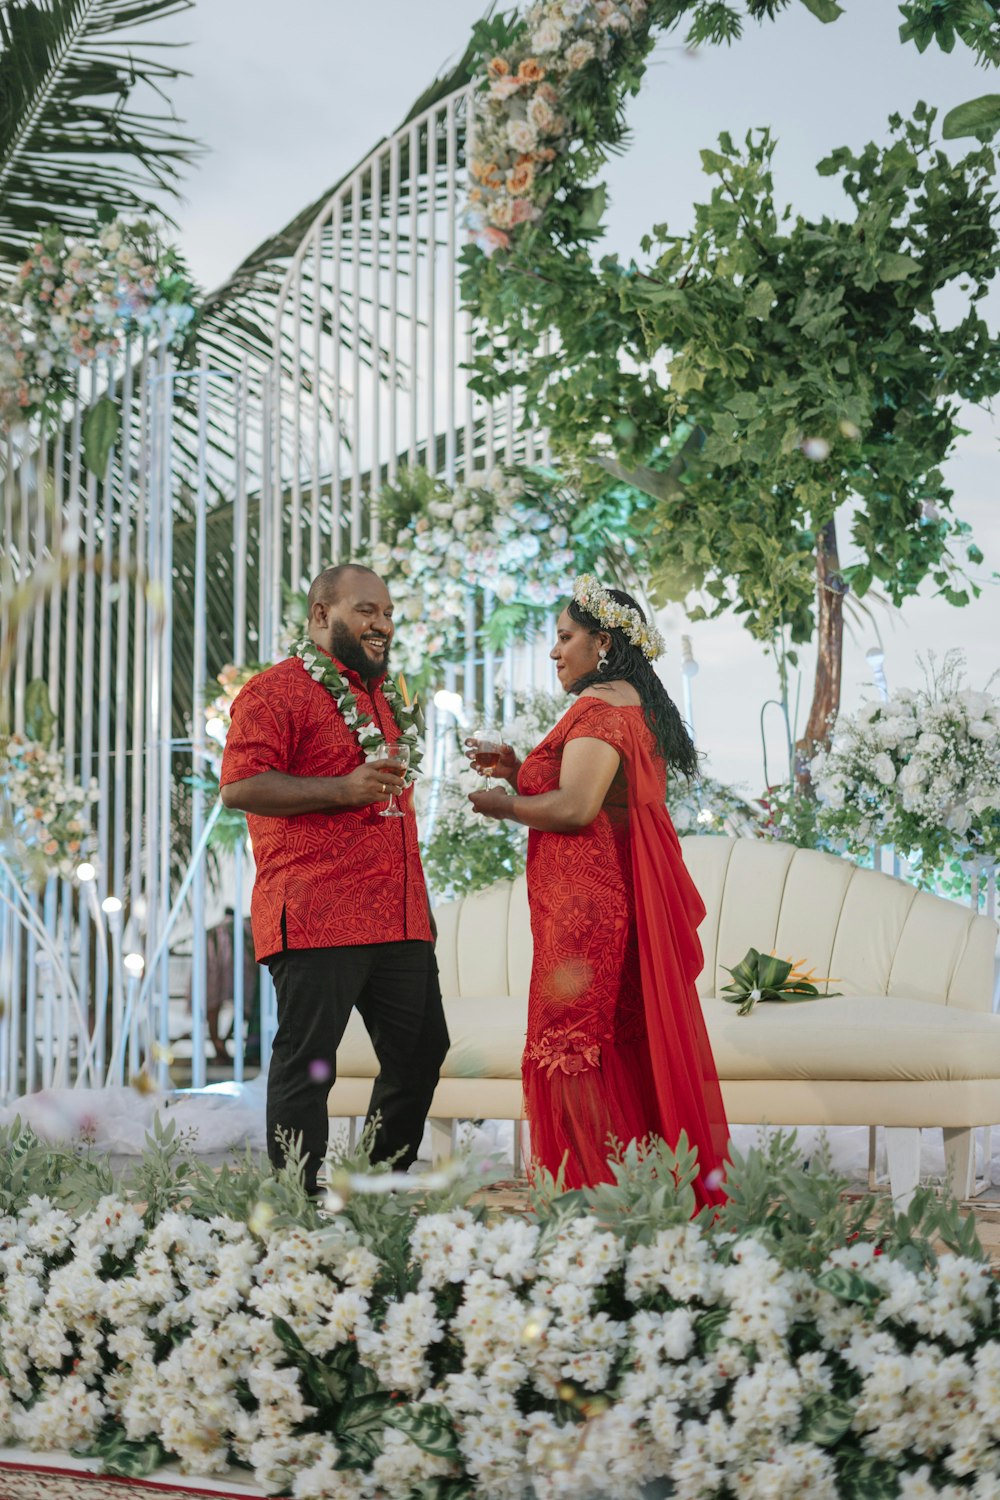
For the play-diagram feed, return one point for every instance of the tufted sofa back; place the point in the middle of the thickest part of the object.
(873, 934)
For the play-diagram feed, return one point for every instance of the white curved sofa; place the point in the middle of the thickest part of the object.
(910, 1042)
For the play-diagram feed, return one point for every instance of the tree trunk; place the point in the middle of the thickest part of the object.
(830, 591)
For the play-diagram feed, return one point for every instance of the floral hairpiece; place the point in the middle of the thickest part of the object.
(590, 595)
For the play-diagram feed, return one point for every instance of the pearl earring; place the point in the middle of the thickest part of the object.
(602, 664)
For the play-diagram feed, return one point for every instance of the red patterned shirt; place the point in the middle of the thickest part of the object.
(324, 880)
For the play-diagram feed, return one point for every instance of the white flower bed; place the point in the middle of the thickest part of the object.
(590, 1350)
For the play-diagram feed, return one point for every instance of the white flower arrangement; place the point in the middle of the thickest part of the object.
(75, 301)
(567, 1354)
(47, 816)
(489, 534)
(522, 126)
(920, 771)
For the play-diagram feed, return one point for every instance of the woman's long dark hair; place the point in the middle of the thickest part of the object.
(626, 663)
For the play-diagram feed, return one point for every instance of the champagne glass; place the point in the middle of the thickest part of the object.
(398, 757)
(487, 745)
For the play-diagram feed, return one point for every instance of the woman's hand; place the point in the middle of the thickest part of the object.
(506, 767)
(492, 804)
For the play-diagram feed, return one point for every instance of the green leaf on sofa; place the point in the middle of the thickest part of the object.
(763, 976)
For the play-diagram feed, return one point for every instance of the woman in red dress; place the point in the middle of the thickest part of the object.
(616, 1044)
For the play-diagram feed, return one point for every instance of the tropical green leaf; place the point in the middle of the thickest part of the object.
(848, 1286)
(978, 117)
(824, 10)
(124, 1457)
(708, 1329)
(864, 1478)
(72, 148)
(100, 431)
(39, 720)
(430, 1427)
(825, 1419)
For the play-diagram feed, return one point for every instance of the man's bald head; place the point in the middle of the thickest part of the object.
(326, 586)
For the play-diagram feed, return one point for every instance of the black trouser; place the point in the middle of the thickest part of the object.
(395, 987)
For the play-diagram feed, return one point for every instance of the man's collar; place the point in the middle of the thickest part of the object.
(358, 683)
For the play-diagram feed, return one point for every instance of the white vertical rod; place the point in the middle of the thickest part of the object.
(125, 523)
(375, 422)
(199, 674)
(394, 330)
(23, 575)
(470, 689)
(72, 767)
(277, 568)
(315, 535)
(55, 593)
(468, 335)
(509, 705)
(357, 210)
(264, 520)
(104, 870)
(295, 532)
(165, 746)
(489, 666)
(336, 321)
(239, 998)
(241, 402)
(414, 286)
(154, 729)
(431, 459)
(141, 747)
(451, 288)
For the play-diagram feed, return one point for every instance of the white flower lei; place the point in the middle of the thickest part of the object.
(589, 594)
(323, 669)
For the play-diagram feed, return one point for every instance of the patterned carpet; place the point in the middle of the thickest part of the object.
(30, 1479)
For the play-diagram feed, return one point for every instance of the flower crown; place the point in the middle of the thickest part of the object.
(590, 595)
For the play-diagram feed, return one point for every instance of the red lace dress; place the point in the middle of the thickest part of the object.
(616, 1042)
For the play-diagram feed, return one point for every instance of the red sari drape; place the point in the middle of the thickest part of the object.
(616, 1043)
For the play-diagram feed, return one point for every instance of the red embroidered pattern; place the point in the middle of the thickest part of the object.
(585, 987)
(338, 878)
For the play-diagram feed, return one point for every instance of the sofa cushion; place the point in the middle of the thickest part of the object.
(853, 1037)
(487, 1039)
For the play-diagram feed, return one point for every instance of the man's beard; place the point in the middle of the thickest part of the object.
(348, 649)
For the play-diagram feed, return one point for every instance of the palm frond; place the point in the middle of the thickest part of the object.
(72, 142)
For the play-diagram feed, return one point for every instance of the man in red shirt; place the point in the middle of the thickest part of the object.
(339, 911)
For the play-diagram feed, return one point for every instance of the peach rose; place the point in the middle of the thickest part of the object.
(531, 71)
(520, 177)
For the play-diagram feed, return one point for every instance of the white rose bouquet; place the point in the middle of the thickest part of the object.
(920, 771)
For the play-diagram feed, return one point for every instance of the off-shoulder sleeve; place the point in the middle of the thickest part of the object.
(259, 738)
(594, 720)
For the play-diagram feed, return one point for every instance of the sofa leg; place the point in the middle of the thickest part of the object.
(442, 1140)
(903, 1148)
(959, 1161)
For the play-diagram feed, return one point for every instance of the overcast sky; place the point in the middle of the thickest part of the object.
(287, 98)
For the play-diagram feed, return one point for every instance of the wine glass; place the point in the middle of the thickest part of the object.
(486, 746)
(398, 757)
